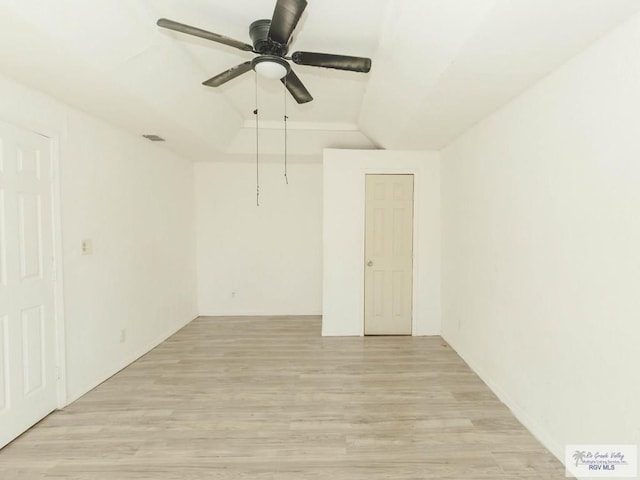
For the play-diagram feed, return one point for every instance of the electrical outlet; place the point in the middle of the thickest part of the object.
(87, 247)
(123, 335)
(233, 294)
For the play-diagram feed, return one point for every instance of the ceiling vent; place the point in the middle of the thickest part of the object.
(154, 138)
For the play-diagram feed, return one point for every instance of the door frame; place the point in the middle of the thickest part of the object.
(416, 249)
(56, 224)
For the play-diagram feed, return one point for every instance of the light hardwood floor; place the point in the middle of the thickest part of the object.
(268, 398)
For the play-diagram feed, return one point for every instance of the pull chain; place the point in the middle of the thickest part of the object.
(255, 112)
(285, 131)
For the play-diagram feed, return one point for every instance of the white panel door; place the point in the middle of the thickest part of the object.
(388, 254)
(27, 333)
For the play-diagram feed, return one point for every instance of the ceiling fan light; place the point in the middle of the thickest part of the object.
(270, 66)
(271, 70)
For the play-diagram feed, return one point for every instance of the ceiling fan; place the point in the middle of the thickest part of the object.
(271, 40)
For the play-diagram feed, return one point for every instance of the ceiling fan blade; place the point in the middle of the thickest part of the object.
(197, 32)
(296, 88)
(230, 74)
(285, 18)
(327, 60)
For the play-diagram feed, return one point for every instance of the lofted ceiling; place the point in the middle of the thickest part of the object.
(439, 66)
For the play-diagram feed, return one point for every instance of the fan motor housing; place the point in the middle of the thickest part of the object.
(259, 33)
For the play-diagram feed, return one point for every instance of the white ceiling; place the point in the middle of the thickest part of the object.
(439, 66)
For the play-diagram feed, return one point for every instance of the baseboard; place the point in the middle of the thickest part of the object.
(265, 315)
(132, 358)
(541, 434)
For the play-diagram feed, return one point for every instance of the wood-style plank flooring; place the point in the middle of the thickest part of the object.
(269, 398)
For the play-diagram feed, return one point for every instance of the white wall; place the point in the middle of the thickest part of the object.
(343, 236)
(135, 202)
(264, 260)
(541, 248)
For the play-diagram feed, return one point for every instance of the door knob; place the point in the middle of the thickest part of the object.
(369, 263)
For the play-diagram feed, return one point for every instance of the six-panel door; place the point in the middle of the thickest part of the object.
(27, 333)
(388, 254)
